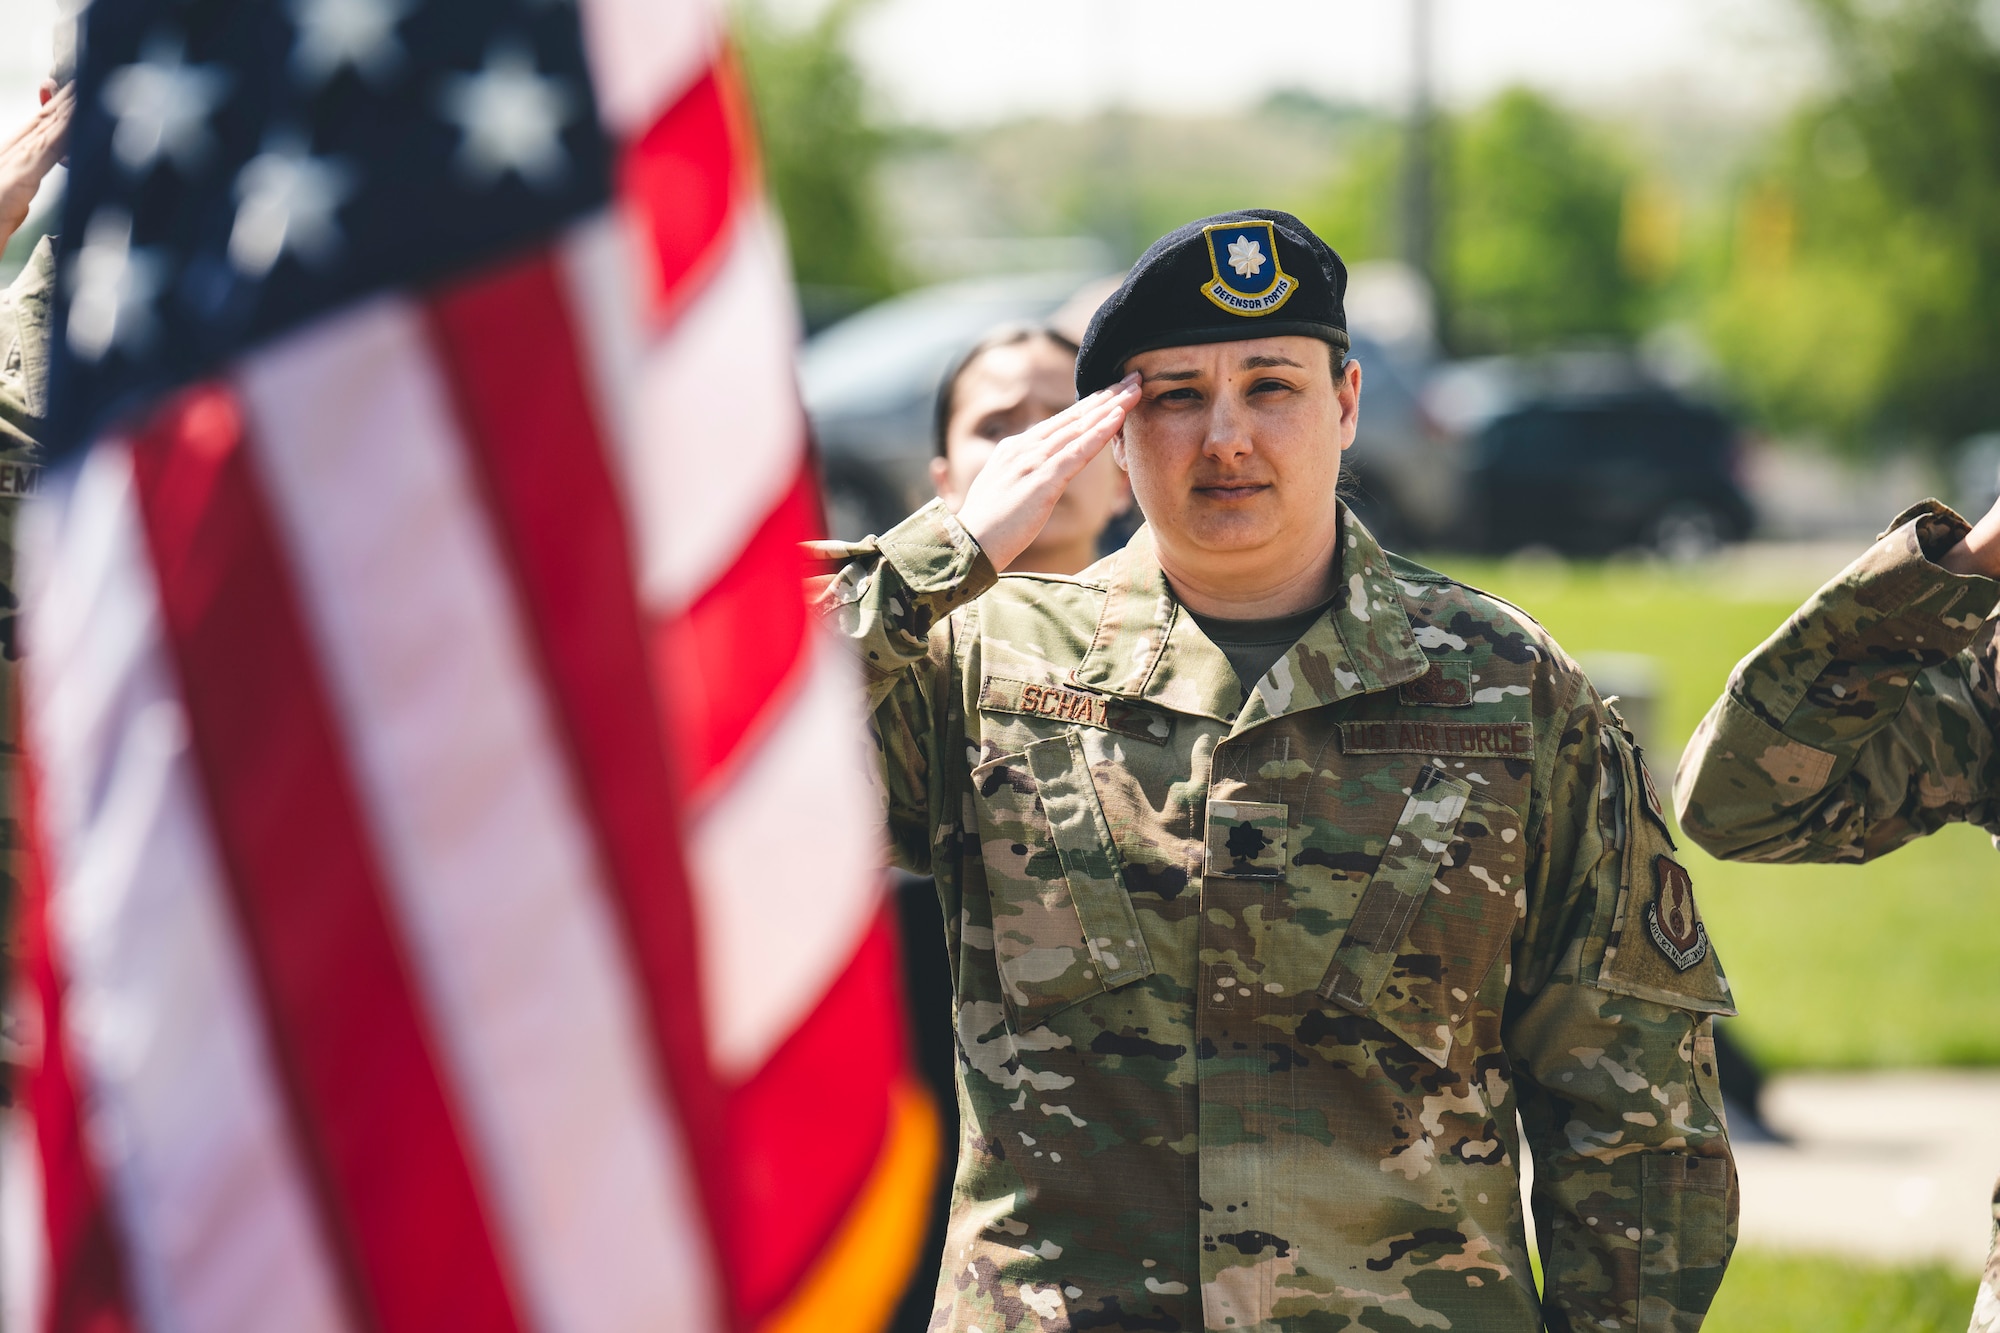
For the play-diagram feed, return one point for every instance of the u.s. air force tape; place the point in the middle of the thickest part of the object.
(1504, 740)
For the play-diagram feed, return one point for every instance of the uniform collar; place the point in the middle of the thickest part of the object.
(1147, 646)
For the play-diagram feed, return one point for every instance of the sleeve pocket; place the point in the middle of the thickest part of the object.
(1686, 1220)
(1063, 925)
(1657, 947)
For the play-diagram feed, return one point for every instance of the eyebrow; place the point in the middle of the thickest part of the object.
(1265, 361)
(1174, 375)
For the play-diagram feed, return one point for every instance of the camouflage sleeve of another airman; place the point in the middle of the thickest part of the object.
(24, 352)
(892, 601)
(1609, 1030)
(1866, 721)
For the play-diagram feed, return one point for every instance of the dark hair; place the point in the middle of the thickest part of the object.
(1007, 335)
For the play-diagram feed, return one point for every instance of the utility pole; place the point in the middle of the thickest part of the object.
(1420, 160)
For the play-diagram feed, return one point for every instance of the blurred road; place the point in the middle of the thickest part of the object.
(1889, 1167)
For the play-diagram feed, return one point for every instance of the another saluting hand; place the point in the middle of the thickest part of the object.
(1979, 553)
(28, 155)
(1010, 500)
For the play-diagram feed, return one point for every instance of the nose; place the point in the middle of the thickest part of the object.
(1228, 439)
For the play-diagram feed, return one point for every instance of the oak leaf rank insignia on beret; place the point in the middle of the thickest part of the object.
(1247, 278)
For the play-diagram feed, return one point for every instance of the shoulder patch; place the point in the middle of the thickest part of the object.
(1670, 918)
(1651, 794)
(1445, 685)
(1061, 703)
(1503, 740)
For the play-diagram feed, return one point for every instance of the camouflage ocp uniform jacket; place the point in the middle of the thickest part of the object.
(1249, 993)
(1868, 720)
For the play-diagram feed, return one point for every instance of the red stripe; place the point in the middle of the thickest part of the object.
(509, 349)
(682, 179)
(361, 1080)
(86, 1272)
(840, 1065)
(724, 662)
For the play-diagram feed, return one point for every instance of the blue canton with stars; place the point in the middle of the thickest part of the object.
(240, 167)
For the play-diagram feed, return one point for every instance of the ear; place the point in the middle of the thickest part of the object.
(1124, 501)
(1349, 395)
(1118, 456)
(941, 481)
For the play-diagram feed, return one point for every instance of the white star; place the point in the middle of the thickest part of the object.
(163, 104)
(112, 287)
(286, 199)
(334, 34)
(512, 118)
(1245, 256)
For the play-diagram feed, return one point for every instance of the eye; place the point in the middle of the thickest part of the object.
(1181, 395)
(1269, 385)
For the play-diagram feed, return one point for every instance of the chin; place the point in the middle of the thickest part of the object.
(1237, 532)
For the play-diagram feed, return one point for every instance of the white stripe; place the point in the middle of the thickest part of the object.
(785, 866)
(644, 53)
(488, 855)
(706, 415)
(187, 1121)
(24, 1249)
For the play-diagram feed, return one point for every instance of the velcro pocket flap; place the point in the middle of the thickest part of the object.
(1090, 860)
(1389, 904)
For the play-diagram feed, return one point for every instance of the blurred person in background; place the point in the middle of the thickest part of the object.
(1868, 720)
(1279, 874)
(1015, 377)
(26, 309)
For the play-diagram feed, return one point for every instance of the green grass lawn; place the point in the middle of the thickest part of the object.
(1770, 1293)
(1889, 964)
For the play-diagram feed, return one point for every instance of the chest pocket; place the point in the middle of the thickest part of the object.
(1063, 925)
(1433, 919)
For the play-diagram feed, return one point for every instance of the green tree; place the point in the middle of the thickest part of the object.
(1530, 251)
(820, 152)
(1862, 294)
(1530, 204)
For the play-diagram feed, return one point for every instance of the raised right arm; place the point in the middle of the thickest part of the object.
(1865, 722)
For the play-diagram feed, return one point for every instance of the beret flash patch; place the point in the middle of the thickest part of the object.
(1243, 261)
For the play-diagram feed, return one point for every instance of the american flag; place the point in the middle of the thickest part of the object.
(456, 900)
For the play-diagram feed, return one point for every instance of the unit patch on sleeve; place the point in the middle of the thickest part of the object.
(1670, 918)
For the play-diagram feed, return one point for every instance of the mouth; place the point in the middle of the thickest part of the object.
(1227, 491)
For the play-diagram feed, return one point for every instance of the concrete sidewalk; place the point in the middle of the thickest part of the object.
(1894, 1168)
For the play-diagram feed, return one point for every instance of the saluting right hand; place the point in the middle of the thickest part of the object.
(1014, 494)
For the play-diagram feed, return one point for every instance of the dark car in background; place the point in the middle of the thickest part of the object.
(1595, 474)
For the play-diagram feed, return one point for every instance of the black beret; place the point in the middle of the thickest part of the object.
(1217, 281)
